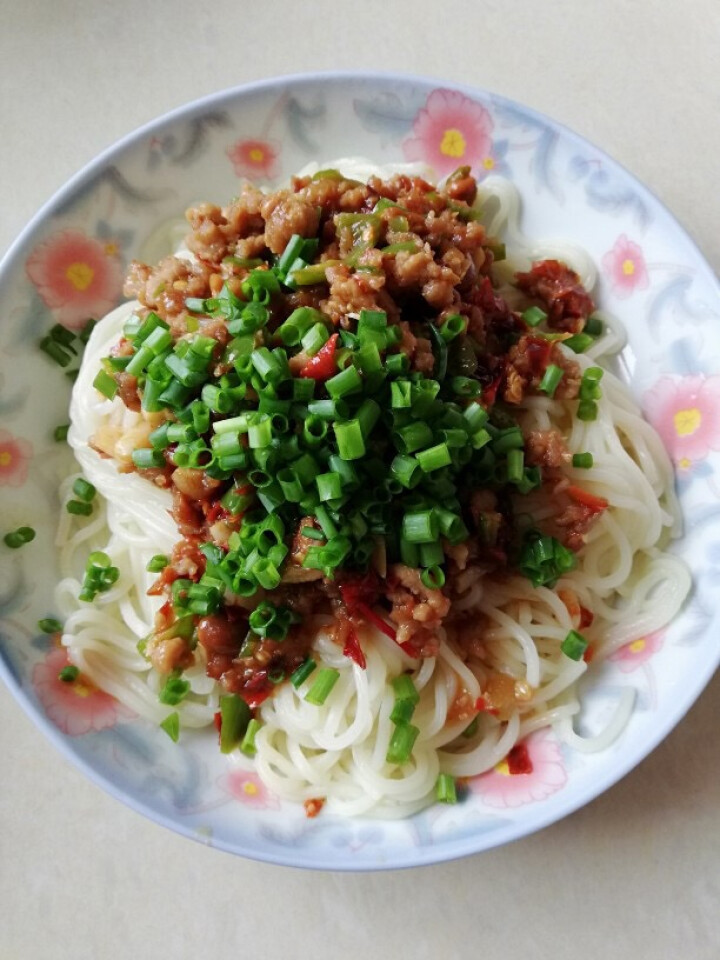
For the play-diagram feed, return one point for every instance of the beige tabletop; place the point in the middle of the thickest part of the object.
(636, 874)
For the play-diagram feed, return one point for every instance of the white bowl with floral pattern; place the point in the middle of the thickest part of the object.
(69, 264)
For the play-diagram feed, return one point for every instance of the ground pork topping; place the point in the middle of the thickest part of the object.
(338, 382)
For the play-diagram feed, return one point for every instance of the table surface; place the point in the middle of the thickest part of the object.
(634, 874)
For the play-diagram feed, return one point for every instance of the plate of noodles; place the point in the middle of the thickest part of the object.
(359, 458)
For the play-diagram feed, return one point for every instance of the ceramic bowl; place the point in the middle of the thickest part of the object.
(69, 265)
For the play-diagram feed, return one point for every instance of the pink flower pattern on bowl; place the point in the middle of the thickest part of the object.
(501, 788)
(686, 414)
(248, 788)
(78, 707)
(451, 131)
(638, 652)
(14, 456)
(625, 267)
(254, 158)
(77, 276)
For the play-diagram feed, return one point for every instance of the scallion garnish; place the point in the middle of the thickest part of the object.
(402, 742)
(446, 789)
(234, 719)
(534, 316)
(323, 683)
(69, 674)
(171, 726)
(582, 461)
(84, 490)
(18, 538)
(79, 508)
(574, 645)
(299, 676)
(174, 690)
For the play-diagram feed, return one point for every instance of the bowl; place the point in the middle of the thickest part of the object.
(69, 264)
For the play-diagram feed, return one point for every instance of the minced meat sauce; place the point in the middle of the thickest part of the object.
(418, 255)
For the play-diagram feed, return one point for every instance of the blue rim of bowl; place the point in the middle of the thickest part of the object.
(414, 856)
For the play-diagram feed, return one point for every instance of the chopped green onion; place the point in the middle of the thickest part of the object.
(69, 674)
(465, 387)
(316, 337)
(56, 352)
(105, 384)
(171, 726)
(434, 458)
(50, 625)
(157, 563)
(350, 441)
(174, 691)
(405, 688)
(401, 743)
(345, 383)
(147, 458)
(84, 490)
(515, 466)
(60, 433)
(234, 719)
(326, 679)
(544, 559)
(551, 378)
(593, 326)
(415, 436)
(433, 577)
(509, 439)
(406, 470)
(299, 676)
(574, 645)
(582, 461)
(329, 486)
(587, 410)
(445, 789)
(420, 526)
(579, 342)
(79, 508)
(534, 316)
(400, 395)
(18, 538)
(247, 744)
(453, 326)
(402, 711)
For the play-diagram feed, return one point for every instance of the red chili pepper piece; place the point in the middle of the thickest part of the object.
(375, 619)
(589, 500)
(489, 394)
(409, 648)
(482, 706)
(322, 366)
(586, 618)
(254, 699)
(353, 649)
(354, 589)
(256, 690)
(518, 760)
(537, 351)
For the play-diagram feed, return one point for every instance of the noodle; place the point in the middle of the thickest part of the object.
(337, 751)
